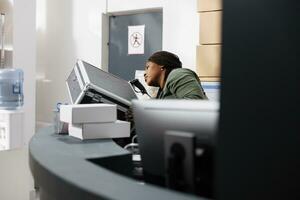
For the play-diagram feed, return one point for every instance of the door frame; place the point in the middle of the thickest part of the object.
(105, 30)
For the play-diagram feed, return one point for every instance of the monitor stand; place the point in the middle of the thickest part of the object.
(180, 161)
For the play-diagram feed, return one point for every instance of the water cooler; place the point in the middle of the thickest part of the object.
(11, 99)
(11, 113)
(11, 129)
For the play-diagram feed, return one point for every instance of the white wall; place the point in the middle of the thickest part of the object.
(67, 30)
(71, 29)
(181, 30)
(6, 7)
(24, 57)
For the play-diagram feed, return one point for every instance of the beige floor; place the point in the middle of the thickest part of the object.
(16, 182)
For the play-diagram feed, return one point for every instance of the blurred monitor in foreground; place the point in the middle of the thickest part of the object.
(153, 118)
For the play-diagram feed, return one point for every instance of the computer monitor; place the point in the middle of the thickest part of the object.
(154, 117)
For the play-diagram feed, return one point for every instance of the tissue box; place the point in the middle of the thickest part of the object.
(88, 113)
(117, 129)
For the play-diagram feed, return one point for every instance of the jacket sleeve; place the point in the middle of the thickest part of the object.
(185, 85)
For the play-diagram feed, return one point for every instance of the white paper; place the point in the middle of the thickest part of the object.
(136, 38)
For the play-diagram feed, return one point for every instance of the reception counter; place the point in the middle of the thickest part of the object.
(64, 167)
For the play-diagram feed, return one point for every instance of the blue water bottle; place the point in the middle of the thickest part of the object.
(11, 88)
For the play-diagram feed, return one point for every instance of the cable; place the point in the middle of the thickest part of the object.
(131, 145)
(133, 138)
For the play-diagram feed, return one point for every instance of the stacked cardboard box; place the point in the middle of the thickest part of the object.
(209, 51)
(93, 121)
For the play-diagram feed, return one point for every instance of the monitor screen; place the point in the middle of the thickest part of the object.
(154, 117)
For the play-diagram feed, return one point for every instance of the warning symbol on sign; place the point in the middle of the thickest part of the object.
(136, 39)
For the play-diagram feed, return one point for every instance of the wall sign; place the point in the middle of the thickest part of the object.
(136, 38)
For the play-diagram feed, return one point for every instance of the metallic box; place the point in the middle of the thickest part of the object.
(89, 84)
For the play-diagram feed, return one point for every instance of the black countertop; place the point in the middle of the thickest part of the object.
(61, 169)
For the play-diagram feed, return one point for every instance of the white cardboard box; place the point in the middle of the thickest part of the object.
(117, 129)
(88, 113)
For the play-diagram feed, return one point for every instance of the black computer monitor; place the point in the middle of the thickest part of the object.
(154, 117)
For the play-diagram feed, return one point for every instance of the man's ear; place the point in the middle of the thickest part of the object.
(162, 68)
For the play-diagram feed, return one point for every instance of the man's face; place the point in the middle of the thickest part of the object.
(152, 74)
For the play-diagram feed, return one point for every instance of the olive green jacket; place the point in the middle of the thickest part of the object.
(182, 83)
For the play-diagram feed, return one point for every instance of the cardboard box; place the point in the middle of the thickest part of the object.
(117, 129)
(209, 5)
(210, 79)
(208, 60)
(88, 113)
(211, 27)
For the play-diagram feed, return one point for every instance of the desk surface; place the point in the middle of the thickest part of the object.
(61, 170)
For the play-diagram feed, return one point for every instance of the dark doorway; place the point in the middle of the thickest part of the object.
(121, 63)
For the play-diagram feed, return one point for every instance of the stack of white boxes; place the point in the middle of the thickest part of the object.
(94, 121)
